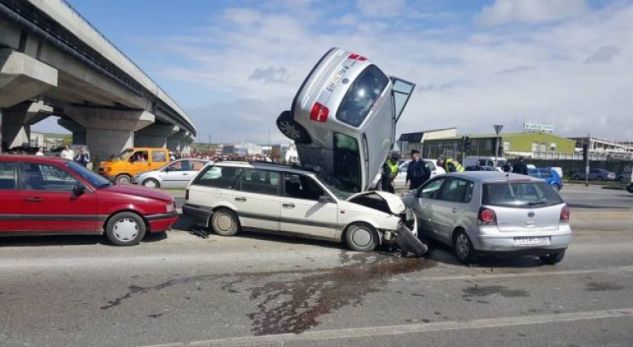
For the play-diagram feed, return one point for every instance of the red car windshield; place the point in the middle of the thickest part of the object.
(94, 179)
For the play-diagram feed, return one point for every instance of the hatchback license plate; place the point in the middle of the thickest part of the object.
(531, 241)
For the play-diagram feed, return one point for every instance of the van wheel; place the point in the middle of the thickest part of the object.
(151, 183)
(361, 237)
(291, 129)
(123, 179)
(463, 248)
(125, 229)
(224, 222)
(553, 259)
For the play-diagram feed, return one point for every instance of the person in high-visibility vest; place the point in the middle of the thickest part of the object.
(451, 165)
(389, 172)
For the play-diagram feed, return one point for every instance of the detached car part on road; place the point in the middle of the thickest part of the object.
(493, 213)
(48, 196)
(343, 119)
(231, 196)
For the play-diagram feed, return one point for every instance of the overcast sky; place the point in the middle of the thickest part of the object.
(234, 66)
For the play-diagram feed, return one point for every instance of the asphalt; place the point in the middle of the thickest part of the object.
(180, 289)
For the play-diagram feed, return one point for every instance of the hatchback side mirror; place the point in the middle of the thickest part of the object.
(79, 189)
(324, 199)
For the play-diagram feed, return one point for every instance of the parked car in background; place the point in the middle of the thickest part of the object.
(48, 195)
(484, 161)
(629, 188)
(480, 168)
(595, 175)
(557, 169)
(400, 182)
(132, 162)
(343, 119)
(493, 213)
(625, 175)
(548, 175)
(232, 196)
(176, 174)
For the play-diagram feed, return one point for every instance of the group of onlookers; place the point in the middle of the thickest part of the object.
(82, 157)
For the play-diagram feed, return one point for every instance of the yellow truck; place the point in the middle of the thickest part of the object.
(133, 161)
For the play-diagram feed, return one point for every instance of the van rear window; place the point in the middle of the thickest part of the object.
(520, 194)
(361, 96)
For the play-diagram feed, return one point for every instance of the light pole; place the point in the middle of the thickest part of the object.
(497, 128)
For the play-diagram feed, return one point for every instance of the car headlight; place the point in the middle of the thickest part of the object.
(171, 207)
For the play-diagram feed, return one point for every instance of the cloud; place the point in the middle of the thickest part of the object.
(530, 11)
(603, 54)
(381, 8)
(270, 74)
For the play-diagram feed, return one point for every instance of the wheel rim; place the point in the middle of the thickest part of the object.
(462, 246)
(126, 229)
(223, 222)
(123, 179)
(289, 129)
(361, 237)
(150, 184)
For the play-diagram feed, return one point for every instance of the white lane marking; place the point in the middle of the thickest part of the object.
(404, 329)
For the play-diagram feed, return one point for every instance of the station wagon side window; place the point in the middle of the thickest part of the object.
(301, 187)
(361, 96)
(259, 181)
(47, 178)
(8, 175)
(431, 190)
(457, 190)
(218, 177)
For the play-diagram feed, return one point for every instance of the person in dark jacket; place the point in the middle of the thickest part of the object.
(417, 172)
(520, 167)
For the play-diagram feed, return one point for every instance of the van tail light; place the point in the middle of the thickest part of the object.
(487, 216)
(564, 214)
(186, 194)
(319, 113)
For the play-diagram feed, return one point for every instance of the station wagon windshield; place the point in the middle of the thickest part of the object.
(361, 96)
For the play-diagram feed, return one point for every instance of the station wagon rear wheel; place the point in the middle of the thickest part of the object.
(125, 229)
(224, 222)
(463, 247)
(151, 183)
(291, 129)
(361, 237)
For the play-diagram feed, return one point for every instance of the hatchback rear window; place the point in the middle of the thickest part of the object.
(361, 96)
(520, 194)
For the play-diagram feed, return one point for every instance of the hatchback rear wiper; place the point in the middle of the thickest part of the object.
(536, 203)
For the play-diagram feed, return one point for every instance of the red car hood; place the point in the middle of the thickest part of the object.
(138, 191)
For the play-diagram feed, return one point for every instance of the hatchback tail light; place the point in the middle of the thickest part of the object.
(186, 194)
(319, 113)
(564, 214)
(487, 216)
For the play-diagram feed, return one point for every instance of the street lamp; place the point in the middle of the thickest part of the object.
(497, 128)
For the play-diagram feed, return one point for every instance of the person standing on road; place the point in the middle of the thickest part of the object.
(417, 172)
(40, 152)
(83, 158)
(68, 153)
(452, 165)
(520, 167)
(389, 173)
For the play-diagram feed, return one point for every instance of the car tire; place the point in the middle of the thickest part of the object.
(291, 129)
(361, 237)
(224, 222)
(123, 179)
(557, 187)
(409, 242)
(151, 183)
(463, 247)
(553, 259)
(125, 229)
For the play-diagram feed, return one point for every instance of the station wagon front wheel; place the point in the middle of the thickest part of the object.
(463, 248)
(361, 237)
(224, 222)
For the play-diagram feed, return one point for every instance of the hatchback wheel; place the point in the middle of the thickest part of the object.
(554, 258)
(361, 237)
(291, 129)
(125, 229)
(151, 183)
(224, 222)
(463, 247)
(123, 179)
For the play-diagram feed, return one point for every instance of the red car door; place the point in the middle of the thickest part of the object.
(50, 205)
(10, 199)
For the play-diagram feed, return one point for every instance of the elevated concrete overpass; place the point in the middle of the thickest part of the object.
(53, 62)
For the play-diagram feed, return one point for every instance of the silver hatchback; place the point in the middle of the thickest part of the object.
(493, 213)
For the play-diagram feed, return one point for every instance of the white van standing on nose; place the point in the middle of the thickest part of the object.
(343, 119)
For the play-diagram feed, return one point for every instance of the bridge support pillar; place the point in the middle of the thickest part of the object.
(17, 121)
(155, 135)
(173, 142)
(78, 131)
(109, 131)
(23, 77)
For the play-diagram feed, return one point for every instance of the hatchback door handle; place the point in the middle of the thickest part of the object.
(240, 198)
(288, 205)
(454, 210)
(33, 199)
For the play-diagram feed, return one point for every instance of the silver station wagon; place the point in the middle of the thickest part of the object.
(343, 119)
(493, 213)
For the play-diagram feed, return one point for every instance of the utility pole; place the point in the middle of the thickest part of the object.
(497, 128)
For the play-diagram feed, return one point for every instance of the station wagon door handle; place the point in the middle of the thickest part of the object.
(33, 199)
(288, 205)
(454, 210)
(240, 198)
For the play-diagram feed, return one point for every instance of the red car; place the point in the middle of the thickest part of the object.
(44, 196)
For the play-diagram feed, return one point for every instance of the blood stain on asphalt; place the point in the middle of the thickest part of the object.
(481, 291)
(294, 305)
